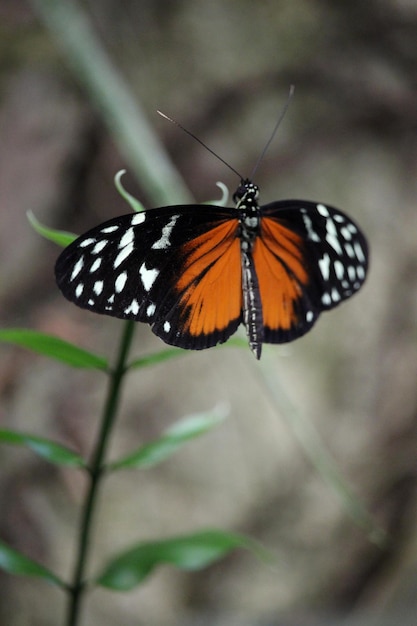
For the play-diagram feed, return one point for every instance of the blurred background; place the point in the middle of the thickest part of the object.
(222, 69)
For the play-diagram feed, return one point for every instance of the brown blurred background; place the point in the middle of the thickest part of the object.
(223, 69)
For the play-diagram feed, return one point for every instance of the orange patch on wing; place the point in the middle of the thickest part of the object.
(281, 272)
(211, 280)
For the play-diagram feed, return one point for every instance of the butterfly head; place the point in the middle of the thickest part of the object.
(246, 194)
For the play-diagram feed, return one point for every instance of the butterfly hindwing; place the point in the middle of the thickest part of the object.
(283, 275)
(176, 268)
(309, 258)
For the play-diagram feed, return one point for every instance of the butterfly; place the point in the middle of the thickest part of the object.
(194, 273)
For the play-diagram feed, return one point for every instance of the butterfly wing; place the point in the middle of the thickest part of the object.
(308, 258)
(177, 268)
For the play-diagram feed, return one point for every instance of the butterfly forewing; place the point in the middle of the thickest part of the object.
(173, 267)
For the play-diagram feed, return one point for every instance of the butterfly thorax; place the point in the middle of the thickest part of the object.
(246, 198)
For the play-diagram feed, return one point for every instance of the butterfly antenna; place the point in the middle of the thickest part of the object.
(201, 142)
(278, 122)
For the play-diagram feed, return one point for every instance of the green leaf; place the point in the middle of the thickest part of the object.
(53, 347)
(171, 353)
(172, 440)
(134, 203)
(13, 562)
(187, 552)
(61, 237)
(48, 450)
(157, 357)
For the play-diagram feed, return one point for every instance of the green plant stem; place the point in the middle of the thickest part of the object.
(315, 450)
(77, 588)
(71, 27)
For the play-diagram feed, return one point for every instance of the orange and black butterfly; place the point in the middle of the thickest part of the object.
(196, 272)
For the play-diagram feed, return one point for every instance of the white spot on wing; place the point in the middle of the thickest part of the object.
(96, 265)
(98, 287)
(127, 238)
(109, 229)
(79, 289)
(150, 310)
(133, 307)
(99, 246)
(123, 254)
(311, 233)
(345, 232)
(324, 264)
(349, 250)
(335, 295)
(167, 327)
(120, 282)
(360, 272)
(339, 268)
(164, 242)
(326, 299)
(332, 235)
(323, 210)
(77, 267)
(138, 218)
(359, 251)
(351, 273)
(148, 277)
(87, 242)
(309, 316)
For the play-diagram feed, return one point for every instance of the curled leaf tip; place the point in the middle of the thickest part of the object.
(134, 203)
(60, 237)
(225, 194)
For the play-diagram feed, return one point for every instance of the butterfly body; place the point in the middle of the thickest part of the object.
(196, 272)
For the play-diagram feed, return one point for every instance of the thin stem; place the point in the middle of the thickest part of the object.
(320, 457)
(77, 588)
(75, 36)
